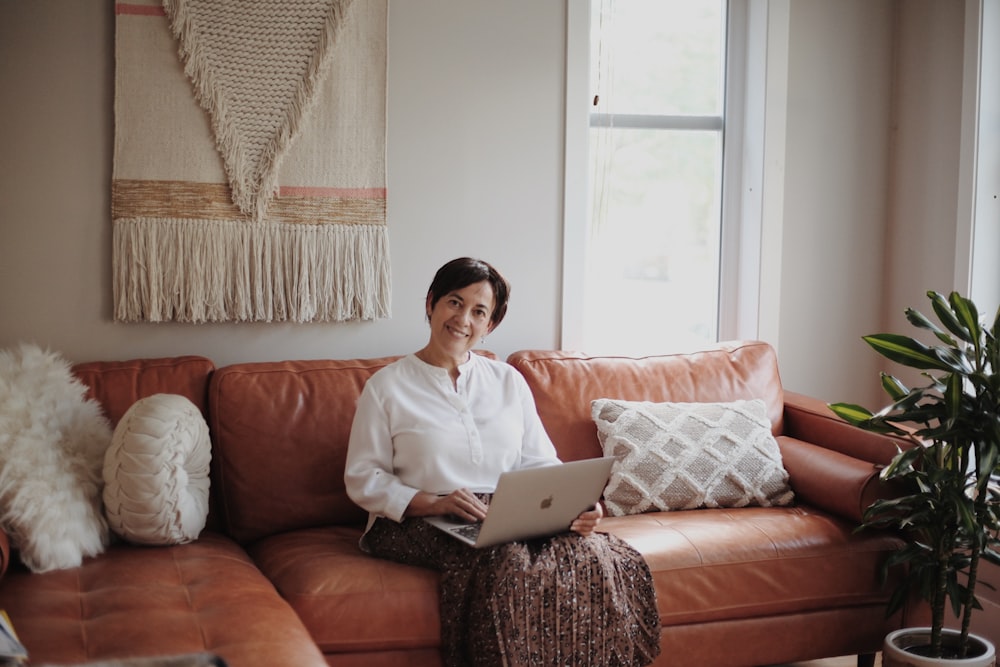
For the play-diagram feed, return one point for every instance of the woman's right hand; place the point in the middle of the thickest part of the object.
(461, 503)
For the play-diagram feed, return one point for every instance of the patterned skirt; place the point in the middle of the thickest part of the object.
(564, 600)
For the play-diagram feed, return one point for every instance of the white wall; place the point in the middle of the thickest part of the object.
(835, 193)
(474, 167)
(874, 100)
(927, 127)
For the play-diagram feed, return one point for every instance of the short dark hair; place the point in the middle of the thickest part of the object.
(465, 271)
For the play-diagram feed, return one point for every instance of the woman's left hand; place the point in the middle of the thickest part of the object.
(586, 523)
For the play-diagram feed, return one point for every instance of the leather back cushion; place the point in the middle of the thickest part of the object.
(280, 432)
(564, 384)
(116, 385)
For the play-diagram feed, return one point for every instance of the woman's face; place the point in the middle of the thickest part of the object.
(461, 318)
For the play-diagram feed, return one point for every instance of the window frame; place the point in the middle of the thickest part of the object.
(742, 169)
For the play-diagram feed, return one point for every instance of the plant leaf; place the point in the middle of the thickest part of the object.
(953, 395)
(967, 314)
(902, 463)
(850, 412)
(905, 350)
(944, 312)
(986, 461)
(893, 387)
(954, 359)
(917, 319)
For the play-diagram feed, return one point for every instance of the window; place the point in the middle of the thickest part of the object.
(652, 259)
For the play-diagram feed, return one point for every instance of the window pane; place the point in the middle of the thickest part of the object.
(652, 262)
(658, 56)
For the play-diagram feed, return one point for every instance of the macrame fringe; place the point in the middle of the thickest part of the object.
(232, 271)
(253, 181)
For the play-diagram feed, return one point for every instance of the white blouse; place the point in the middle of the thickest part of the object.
(413, 431)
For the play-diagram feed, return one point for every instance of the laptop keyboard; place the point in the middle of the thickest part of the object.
(470, 531)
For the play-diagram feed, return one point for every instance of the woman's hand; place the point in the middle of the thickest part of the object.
(461, 503)
(586, 523)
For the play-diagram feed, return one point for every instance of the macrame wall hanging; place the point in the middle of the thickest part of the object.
(249, 161)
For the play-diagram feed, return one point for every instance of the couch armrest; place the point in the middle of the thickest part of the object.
(4, 552)
(831, 481)
(811, 420)
(831, 464)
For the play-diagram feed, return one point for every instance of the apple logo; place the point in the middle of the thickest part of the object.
(546, 503)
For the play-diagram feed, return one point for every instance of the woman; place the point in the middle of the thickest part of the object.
(431, 435)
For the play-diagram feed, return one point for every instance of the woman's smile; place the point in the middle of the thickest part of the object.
(458, 333)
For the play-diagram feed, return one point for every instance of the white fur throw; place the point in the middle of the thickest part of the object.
(52, 444)
(156, 472)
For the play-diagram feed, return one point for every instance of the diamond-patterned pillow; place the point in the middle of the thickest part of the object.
(676, 456)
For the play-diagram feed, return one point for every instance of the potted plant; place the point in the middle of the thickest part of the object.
(949, 506)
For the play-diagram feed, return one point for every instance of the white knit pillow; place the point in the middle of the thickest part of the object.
(674, 456)
(156, 472)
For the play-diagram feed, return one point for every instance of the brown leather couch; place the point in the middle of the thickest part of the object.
(144, 601)
(278, 579)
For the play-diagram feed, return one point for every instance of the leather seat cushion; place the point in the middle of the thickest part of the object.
(140, 601)
(349, 600)
(719, 564)
(708, 565)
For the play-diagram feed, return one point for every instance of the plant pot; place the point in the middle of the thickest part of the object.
(895, 654)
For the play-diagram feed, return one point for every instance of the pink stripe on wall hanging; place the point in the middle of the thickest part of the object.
(249, 171)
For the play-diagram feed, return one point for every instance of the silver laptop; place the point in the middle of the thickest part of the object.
(533, 502)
